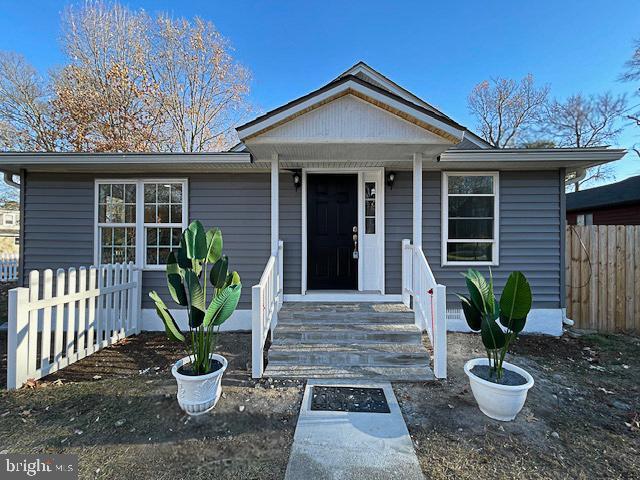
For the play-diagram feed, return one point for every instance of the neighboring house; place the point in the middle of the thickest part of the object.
(341, 176)
(614, 204)
(9, 230)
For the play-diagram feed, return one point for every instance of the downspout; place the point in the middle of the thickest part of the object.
(580, 174)
(8, 179)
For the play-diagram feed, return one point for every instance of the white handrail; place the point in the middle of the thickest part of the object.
(429, 302)
(266, 300)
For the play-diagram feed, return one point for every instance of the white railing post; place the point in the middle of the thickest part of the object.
(280, 273)
(257, 364)
(18, 338)
(407, 272)
(137, 299)
(440, 332)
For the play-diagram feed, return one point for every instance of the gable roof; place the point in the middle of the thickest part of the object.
(371, 75)
(350, 84)
(623, 192)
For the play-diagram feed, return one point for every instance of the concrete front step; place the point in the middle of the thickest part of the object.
(386, 354)
(350, 318)
(344, 333)
(371, 373)
(342, 307)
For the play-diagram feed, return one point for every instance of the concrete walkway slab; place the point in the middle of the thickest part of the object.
(352, 445)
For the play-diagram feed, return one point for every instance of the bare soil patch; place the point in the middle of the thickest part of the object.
(580, 420)
(117, 410)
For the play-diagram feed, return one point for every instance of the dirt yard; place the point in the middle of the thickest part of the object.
(581, 419)
(117, 410)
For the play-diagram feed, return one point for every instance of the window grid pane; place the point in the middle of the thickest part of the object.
(162, 206)
(370, 208)
(117, 207)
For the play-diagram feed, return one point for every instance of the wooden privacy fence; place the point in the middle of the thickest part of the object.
(9, 267)
(603, 277)
(90, 309)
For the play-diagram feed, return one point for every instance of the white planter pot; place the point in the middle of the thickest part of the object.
(198, 394)
(500, 402)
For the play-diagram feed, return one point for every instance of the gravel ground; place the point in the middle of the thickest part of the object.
(117, 411)
(581, 419)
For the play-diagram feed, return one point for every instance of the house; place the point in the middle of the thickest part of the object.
(614, 204)
(350, 198)
(9, 229)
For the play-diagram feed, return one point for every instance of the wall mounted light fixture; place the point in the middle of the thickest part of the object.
(391, 177)
(297, 179)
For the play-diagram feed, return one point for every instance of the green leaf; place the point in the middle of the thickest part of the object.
(214, 245)
(170, 325)
(174, 281)
(218, 274)
(514, 324)
(181, 255)
(223, 305)
(471, 313)
(475, 294)
(493, 338)
(196, 297)
(196, 241)
(233, 278)
(516, 299)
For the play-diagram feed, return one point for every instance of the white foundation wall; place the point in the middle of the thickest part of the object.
(546, 321)
(240, 321)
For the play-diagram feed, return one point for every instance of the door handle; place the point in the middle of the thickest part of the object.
(355, 243)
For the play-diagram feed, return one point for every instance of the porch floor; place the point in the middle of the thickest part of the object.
(364, 341)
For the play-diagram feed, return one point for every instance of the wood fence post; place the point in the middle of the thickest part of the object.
(18, 338)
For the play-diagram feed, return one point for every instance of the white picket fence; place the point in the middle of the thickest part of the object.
(91, 309)
(9, 267)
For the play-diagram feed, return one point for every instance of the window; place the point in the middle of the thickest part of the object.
(162, 220)
(139, 220)
(370, 208)
(117, 222)
(9, 219)
(470, 218)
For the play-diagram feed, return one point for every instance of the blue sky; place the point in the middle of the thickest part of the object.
(437, 50)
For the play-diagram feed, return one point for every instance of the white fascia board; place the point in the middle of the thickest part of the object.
(338, 89)
(16, 161)
(560, 156)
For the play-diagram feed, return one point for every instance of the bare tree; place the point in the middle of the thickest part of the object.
(201, 89)
(131, 83)
(583, 122)
(632, 74)
(25, 113)
(104, 94)
(506, 108)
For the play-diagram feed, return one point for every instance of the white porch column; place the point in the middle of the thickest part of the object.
(275, 204)
(417, 200)
(417, 235)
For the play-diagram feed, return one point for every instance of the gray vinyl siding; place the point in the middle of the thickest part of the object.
(398, 225)
(59, 222)
(529, 234)
(291, 233)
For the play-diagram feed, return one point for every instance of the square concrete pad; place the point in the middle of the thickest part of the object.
(352, 445)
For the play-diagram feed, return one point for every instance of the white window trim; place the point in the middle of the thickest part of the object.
(495, 253)
(141, 238)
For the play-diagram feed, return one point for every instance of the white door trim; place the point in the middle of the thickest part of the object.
(337, 170)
